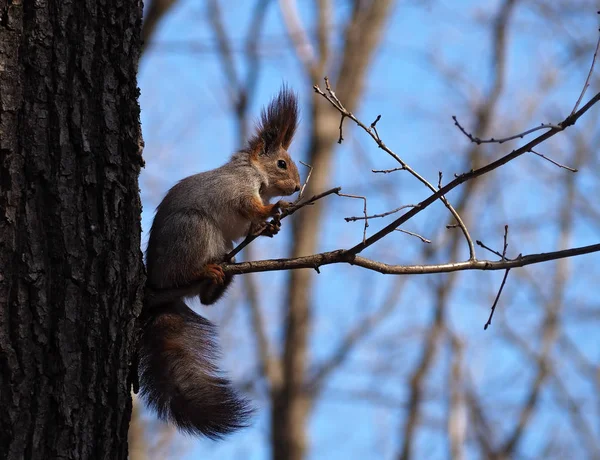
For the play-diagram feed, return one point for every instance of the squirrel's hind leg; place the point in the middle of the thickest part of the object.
(211, 292)
(217, 283)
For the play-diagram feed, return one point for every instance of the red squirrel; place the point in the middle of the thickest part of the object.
(194, 229)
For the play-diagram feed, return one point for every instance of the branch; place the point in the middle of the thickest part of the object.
(372, 131)
(569, 121)
(501, 140)
(589, 75)
(365, 217)
(556, 163)
(346, 256)
(383, 214)
(286, 212)
(503, 257)
(310, 170)
(422, 238)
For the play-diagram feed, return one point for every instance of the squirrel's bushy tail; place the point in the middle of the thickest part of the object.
(178, 376)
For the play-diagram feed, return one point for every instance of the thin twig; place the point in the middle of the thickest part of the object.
(384, 214)
(489, 321)
(366, 217)
(503, 256)
(423, 239)
(589, 75)
(554, 162)
(492, 140)
(479, 243)
(310, 170)
(341, 138)
(387, 171)
(374, 126)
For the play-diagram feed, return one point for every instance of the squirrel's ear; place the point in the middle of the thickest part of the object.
(278, 123)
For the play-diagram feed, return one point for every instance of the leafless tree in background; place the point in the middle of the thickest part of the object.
(478, 419)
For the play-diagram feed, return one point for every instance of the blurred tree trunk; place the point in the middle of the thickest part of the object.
(291, 401)
(70, 263)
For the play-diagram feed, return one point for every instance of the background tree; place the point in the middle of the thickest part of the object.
(70, 264)
(359, 364)
(354, 364)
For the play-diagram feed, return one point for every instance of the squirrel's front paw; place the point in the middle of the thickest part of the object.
(280, 206)
(271, 228)
(214, 273)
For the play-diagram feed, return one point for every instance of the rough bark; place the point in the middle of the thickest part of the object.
(70, 263)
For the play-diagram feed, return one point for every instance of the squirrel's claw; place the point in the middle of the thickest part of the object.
(281, 205)
(214, 273)
(271, 228)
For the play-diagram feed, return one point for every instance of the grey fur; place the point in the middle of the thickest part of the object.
(195, 225)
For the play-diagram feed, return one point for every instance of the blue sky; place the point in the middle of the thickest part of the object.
(188, 128)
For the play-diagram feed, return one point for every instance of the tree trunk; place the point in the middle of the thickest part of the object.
(70, 263)
(291, 401)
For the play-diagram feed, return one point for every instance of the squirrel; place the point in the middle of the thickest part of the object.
(193, 231)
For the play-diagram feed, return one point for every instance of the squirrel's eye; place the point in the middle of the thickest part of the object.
(282, 164)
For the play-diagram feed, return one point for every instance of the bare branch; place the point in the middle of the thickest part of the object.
(331, 97)
(489, 321)
(589, 75)
(346, 256)
(310, 170)
(387, 171)
(366, 218)
(554, 162)
(503, 257)
(492, 140)
(384, 214)
(569, 121)
(479, 243)
(423, 239)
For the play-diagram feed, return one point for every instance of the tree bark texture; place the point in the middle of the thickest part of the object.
(71, 268)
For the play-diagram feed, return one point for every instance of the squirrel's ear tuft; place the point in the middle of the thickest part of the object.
(278, 123)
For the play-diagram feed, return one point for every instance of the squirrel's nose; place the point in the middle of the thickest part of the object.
(297, 189)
